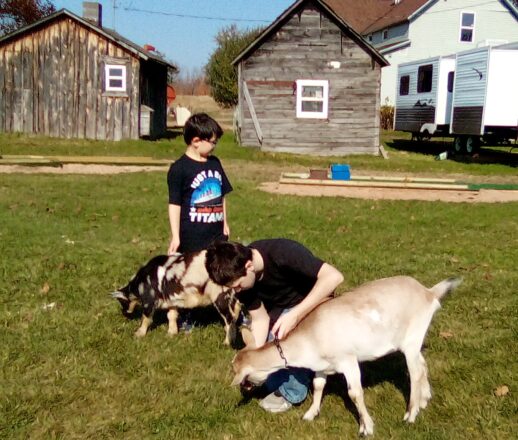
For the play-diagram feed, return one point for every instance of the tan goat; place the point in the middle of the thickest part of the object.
(371, 321)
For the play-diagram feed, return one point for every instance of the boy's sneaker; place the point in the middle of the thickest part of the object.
(275, 403)
(185, 322)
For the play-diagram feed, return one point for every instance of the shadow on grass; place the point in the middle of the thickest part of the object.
(391, 368)
(506, 155)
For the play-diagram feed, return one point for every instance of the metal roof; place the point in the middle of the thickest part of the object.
(110, 34)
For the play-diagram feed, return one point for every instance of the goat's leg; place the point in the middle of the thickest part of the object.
(426, 393)
(351, 371)
(147, 319)
(319, 383)
(415, 371)
(172, 316)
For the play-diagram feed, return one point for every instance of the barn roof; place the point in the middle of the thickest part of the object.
(326, 6)
(110, 34)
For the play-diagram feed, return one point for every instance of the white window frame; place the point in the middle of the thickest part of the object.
(108, 77)
(461, 27)
(301, 83)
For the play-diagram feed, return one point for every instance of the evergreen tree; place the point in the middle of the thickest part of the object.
(221, 74)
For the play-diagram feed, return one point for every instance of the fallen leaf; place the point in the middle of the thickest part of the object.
(454, 259)
(501, 391)
(135, 240)
(45, 289)
(488, 276)
(446, 335)
(49, 306)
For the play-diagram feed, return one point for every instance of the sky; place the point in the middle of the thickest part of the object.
(183, 30)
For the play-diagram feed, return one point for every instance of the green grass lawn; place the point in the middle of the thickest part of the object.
(71, 368)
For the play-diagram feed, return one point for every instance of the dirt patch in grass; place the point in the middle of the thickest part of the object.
(481, 196)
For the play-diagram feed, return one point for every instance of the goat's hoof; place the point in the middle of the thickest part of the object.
(140, 333)
(410, 416)
(366, 427)
(310, 415)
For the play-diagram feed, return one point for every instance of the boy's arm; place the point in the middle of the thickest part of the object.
(174, 223)
(328, 279)
(226, 228)
(260, 323)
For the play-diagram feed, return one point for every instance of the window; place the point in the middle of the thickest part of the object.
(404, 85)
(385, 34)
(115, 76)
(424, 78)
(312, 98)
(451, 77)
(369, 37)
(467, 26)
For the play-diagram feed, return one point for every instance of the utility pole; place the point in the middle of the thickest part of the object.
(114, 7)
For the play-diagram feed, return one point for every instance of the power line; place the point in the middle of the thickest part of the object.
(198, 17)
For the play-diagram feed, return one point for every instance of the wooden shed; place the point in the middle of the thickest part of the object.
(310, 84)
(67, 76)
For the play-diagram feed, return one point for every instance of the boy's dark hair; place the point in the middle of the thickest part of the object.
(203, 126)
(226, 260)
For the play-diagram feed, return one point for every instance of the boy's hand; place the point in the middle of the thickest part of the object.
(226, 230)
(285, 324)
(173, 246)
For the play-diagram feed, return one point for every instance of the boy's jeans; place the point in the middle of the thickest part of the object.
(292, 383)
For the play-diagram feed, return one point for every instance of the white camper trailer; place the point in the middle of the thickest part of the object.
(471, 96)
(485, 96)
(424, 96)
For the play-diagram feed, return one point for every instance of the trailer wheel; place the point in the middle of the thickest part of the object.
(458, 144)
(472, 144)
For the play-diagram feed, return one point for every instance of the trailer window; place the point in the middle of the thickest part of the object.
(451, 76)
(467, 26)
(424, 78)
(404, 85)
(312, 98)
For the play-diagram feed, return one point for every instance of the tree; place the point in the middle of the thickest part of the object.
(15, 14)
(221, 74)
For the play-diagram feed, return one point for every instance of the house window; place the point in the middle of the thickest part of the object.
(385, 34)
(451, 78)
(312, 98)
(424, 78)
(404, 85)
(115, 76)
(467, 26)
(369, 37)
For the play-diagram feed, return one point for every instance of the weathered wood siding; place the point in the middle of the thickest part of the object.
(52, 80)
(302, 49)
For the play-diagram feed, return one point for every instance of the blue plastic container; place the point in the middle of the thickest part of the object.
(340, 172)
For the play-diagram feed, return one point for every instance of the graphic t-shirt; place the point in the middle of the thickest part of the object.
(198, 188)
(290, 272)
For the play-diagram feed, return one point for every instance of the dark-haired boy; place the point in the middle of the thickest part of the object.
(197, 188)
(279, 281)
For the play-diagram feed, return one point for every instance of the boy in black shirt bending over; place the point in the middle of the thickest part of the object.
(279, 281)
(197, 188)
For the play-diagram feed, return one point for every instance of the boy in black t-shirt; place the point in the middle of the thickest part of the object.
(197, 188)
(280, 281)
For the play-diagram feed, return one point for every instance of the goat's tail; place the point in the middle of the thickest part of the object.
(445, 286)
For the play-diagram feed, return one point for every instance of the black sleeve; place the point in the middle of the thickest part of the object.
(298, 259)
(249, 299)
(226, 187)
(174, 184)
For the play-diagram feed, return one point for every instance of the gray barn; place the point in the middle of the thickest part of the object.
(310, 84)
(67, 76)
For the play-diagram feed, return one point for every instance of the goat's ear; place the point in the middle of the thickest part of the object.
(238, 378)
(119, 295)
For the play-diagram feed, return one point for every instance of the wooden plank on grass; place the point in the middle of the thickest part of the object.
(373, 184)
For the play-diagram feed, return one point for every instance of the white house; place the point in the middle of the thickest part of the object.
(408, 30)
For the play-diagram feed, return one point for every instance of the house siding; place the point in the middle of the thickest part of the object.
(436, 32)
(302, 49)
(52, 84)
